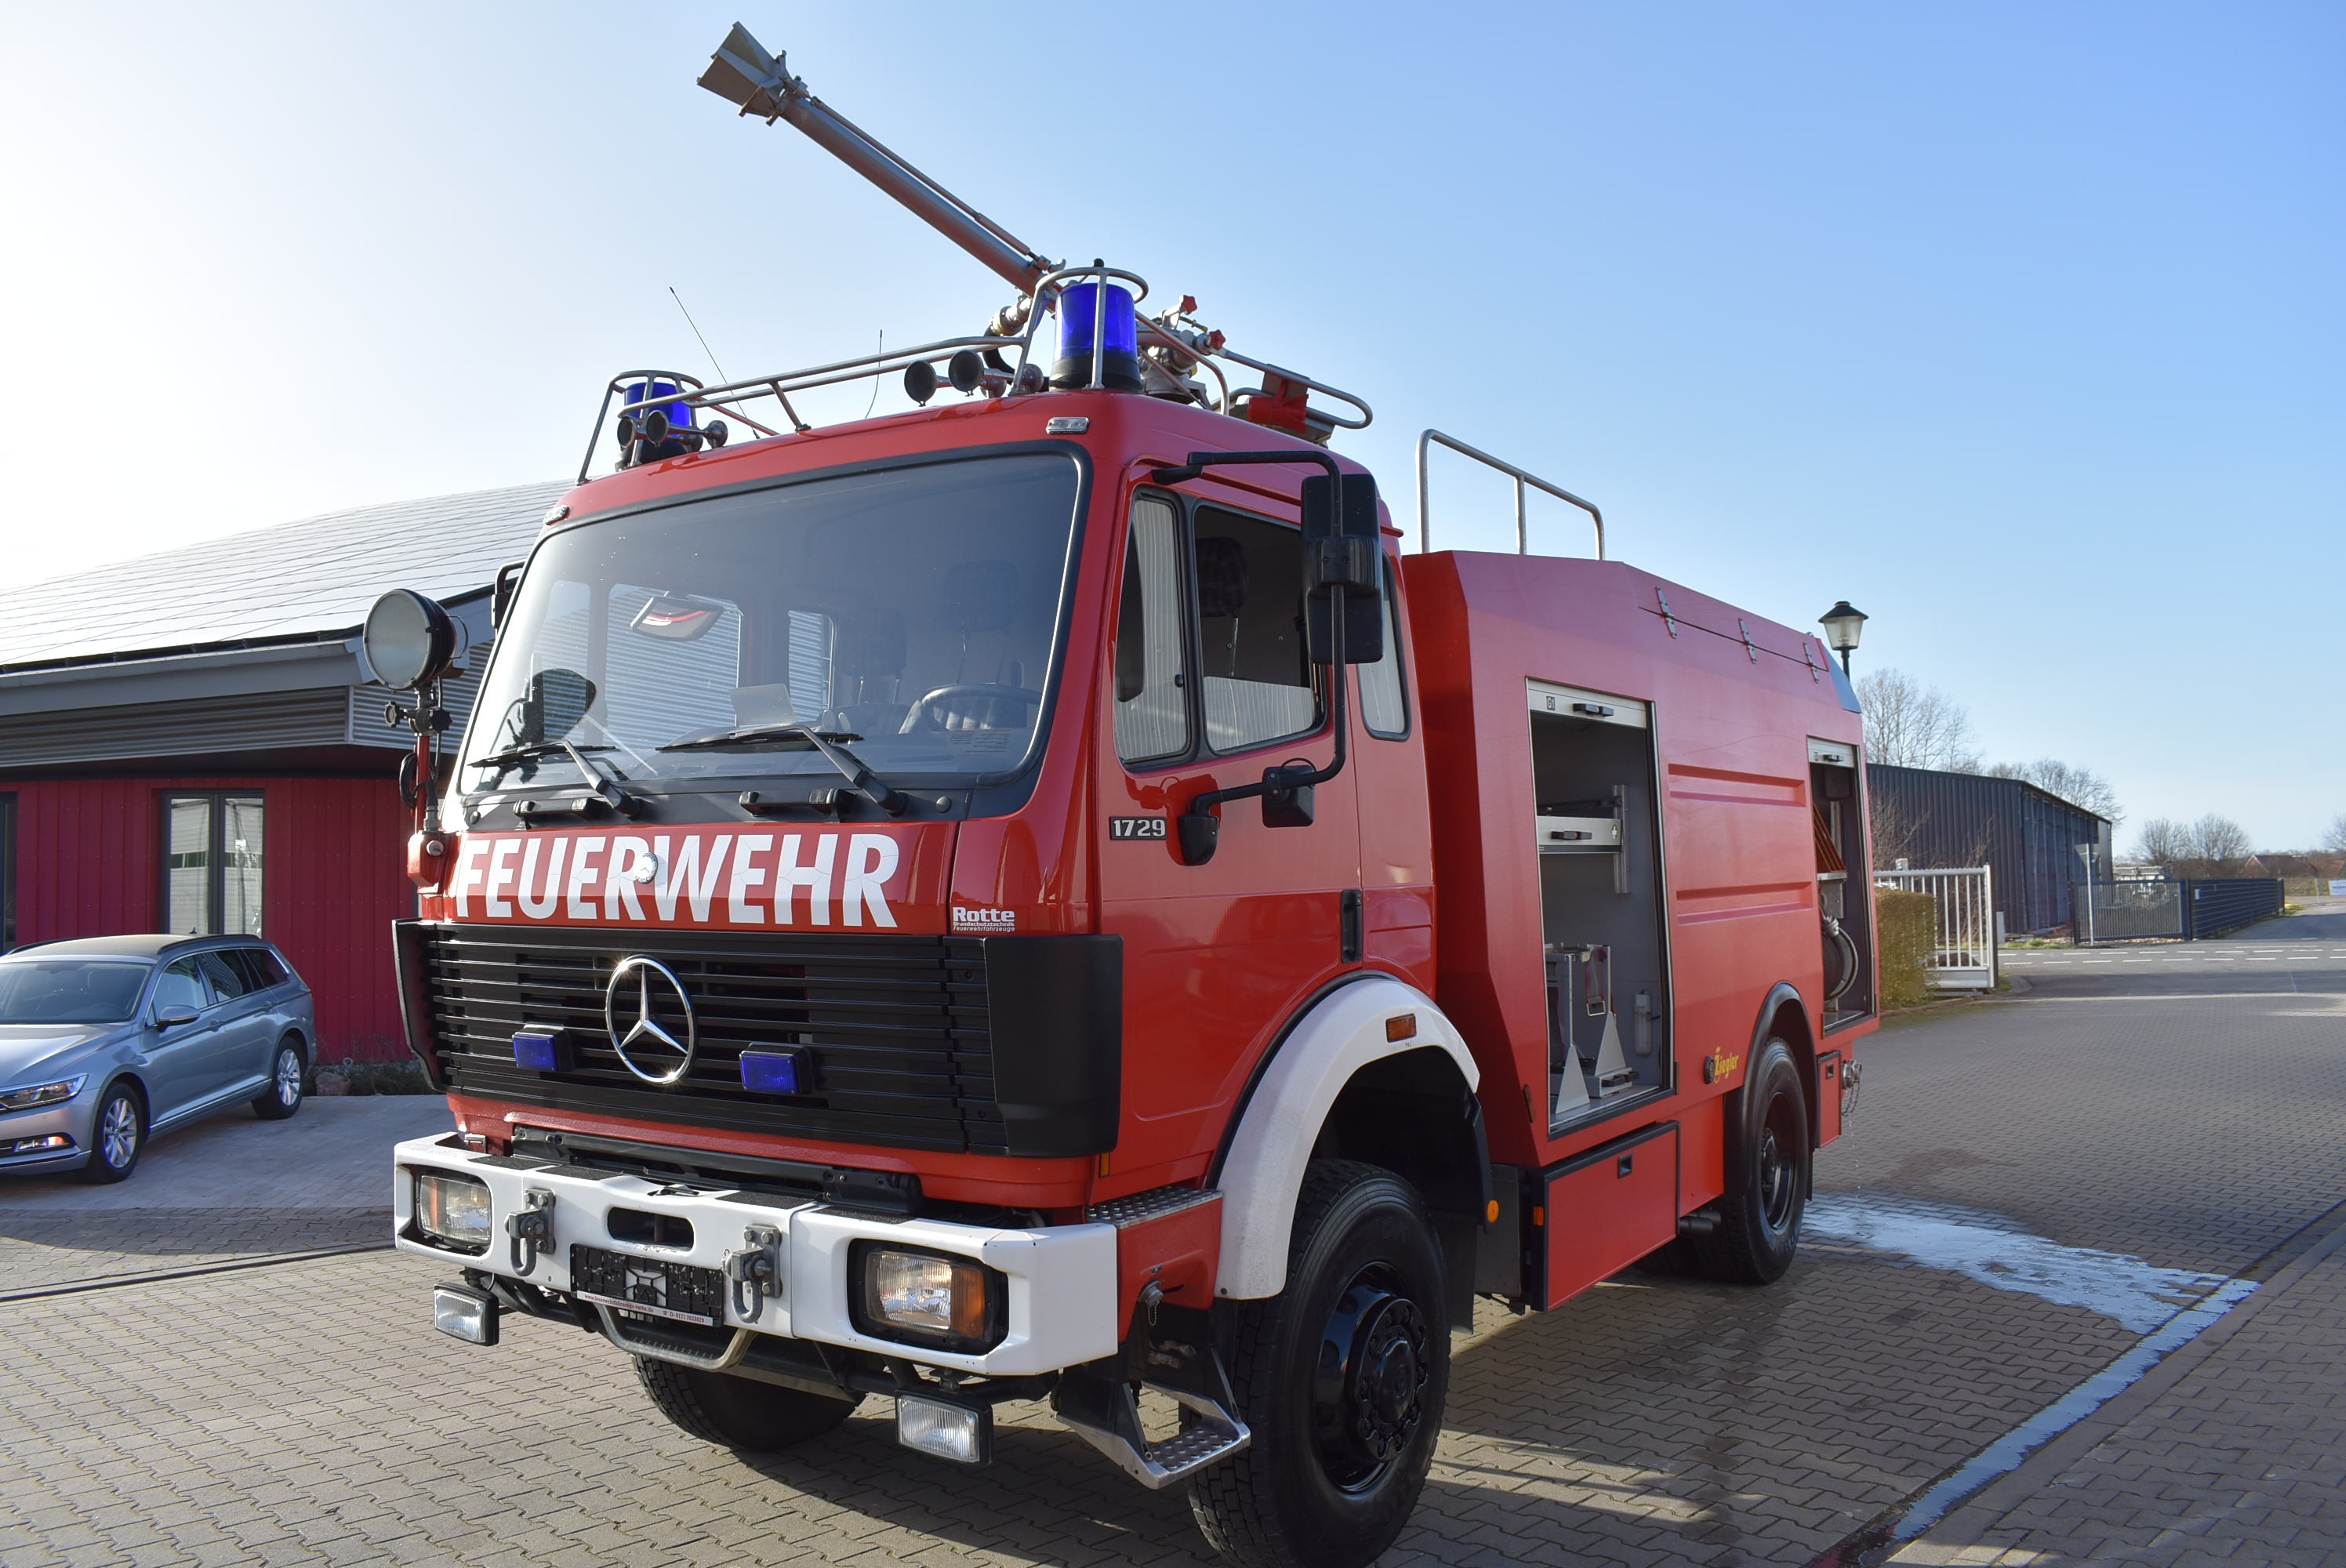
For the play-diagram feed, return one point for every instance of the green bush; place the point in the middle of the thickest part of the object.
(1910, 932)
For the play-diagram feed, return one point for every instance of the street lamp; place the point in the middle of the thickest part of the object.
(1843, 625)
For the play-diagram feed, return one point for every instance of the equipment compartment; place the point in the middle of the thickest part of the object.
(1598, 847)
(1607, 1209)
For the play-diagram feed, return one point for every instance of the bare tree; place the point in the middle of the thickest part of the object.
(2214, 846)
(2333, 837)
(2081, 787)
(1909, 725)
(2220, 841)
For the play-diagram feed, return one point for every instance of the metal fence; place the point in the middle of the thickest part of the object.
(2222, 904)
(2138, 909)
(1964, 956)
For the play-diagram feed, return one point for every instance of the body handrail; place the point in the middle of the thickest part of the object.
(1428, 439)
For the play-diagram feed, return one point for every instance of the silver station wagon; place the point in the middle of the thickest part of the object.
(105, 1041)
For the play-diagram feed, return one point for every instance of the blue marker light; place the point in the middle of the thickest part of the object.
(679, 415)
(777, 1071)
(543, 1050)
(1120, 365)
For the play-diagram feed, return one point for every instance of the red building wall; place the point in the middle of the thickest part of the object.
(89, 863)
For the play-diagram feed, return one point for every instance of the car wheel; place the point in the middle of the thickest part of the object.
(283, 1095)
(116, 1136)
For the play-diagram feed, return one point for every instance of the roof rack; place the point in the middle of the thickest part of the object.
(1429, 439)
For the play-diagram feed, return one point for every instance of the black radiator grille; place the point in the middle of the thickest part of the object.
(897, 1027)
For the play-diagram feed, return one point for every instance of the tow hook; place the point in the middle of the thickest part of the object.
(531, 1231)
(754, 1273)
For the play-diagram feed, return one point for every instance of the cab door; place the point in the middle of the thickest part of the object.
(1209, 687)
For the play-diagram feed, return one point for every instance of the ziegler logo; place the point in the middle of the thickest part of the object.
(1719, 1065)
(1136, 827)
(985, 920)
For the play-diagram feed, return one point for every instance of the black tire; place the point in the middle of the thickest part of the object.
(1338, 1457)
(117, 1136)
(740, 1413)
(1759, 1228)
(283, 1095)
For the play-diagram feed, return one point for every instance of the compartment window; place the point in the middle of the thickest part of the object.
(1152, 713)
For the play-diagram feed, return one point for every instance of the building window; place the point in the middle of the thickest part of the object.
(211, 863)
(7, 873)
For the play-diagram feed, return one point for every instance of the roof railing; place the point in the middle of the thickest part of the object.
(1429, 439)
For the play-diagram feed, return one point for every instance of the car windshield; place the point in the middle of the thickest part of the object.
(69, 990)
(911, 614)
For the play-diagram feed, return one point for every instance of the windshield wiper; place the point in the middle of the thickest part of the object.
(861, 780)
(605, 779)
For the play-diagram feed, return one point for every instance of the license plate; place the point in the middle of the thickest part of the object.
(651, 1286)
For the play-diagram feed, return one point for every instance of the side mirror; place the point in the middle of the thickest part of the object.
(410, 640)
(173, 1017)
(1340, 551)
(554, 704)
(501, 593)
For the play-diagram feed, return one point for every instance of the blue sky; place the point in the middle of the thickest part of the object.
(2018, 326)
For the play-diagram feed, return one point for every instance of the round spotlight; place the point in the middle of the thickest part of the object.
(920, 381)
(409, 639)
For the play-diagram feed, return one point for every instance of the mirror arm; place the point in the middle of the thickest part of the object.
(1199, 832)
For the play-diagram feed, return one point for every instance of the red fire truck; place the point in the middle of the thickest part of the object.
(1038, 898)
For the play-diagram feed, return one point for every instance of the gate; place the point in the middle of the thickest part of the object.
(2127, 909)
(1963, 958)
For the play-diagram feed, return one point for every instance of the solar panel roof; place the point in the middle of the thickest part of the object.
(296, 579)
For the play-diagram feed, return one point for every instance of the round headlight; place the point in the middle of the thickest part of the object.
(409, 639)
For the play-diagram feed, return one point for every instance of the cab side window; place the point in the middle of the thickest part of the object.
(1254, 677)
(1152, 708)
(183, 985)
(1384, 708)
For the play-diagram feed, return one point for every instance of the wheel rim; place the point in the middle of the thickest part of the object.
(1368, 1388)
(289, 1076)
(1780, 1171)
(118, 1132)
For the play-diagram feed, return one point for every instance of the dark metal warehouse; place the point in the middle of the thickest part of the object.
(1929, 819)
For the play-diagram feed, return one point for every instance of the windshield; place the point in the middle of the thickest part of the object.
(911, 614)
(69, 990)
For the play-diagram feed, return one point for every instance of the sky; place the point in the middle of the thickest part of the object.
(2020, 327)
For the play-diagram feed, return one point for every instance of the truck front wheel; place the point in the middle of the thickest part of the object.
(1341, 1377)
(740, 1413)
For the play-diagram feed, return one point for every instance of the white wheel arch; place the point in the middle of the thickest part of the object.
(1343, 1033)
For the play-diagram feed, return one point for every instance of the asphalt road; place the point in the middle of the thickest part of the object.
(2027, 1183)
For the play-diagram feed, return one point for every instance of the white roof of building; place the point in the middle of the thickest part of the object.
(297, 580)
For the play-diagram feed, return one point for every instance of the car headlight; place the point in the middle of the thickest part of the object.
(928, 1298)
(25, 1096)
(452, 1210)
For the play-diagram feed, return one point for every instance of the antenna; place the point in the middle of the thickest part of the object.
(696, 332)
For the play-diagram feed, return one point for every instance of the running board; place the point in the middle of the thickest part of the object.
(1100, 1407)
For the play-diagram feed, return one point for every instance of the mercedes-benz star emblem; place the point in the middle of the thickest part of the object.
(634, 988)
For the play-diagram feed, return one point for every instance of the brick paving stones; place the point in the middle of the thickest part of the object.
(306, 1413)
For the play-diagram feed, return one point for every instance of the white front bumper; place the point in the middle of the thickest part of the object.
(1061, 1306)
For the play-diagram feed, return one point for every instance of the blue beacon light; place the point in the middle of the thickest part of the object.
(1120, 363)
(679, 415)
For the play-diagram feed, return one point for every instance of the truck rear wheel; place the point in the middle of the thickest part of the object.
(1341, 1376)
(739, 1412)
(1759, 1228)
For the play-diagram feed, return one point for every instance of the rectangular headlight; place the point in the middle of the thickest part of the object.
(465, 1313)
(452, 1210)
(961, 1433)
(25, 1096)
(929, 1297)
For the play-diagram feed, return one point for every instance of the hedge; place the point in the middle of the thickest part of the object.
(1910, 933)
